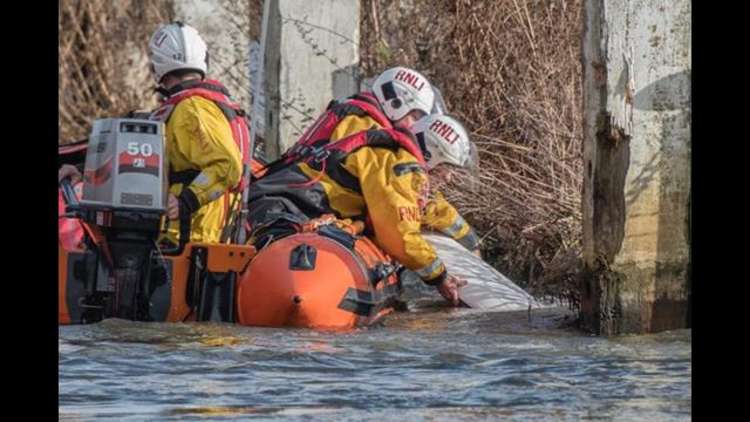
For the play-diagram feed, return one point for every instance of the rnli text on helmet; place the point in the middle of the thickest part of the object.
(445, 131)
(409, 78)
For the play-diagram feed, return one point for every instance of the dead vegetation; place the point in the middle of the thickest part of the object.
(103, 60)
(510, 70)
(103, 55)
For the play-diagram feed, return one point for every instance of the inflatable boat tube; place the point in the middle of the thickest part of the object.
(324, 279)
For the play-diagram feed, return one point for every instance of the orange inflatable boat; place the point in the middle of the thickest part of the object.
(325, 276)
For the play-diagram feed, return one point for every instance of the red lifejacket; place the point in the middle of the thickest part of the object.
(362, 104)
(384, 137)
(319, 133)
(329, 159)
(213, 90)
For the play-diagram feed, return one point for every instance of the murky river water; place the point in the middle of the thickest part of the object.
(433, 363)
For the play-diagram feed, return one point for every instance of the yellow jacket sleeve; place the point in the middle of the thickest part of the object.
(202, 140)
(391, 183)
(441, 216)
(350, 125)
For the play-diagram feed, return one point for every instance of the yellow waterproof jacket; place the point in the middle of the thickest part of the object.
(439, 214)
(392, 187)
(379, 180)
(393, 197)
(199, 137)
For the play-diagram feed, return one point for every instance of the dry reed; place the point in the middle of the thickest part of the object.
(510, 70)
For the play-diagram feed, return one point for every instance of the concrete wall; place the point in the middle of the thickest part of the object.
(311, 56)
(637, 62)
(228, 43)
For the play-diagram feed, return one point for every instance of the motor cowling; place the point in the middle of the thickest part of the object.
(125, 188)
(125, 185)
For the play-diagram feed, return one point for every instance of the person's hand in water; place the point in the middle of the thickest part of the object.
(449, 289)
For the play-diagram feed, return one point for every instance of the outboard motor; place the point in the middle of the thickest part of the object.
(124, 198)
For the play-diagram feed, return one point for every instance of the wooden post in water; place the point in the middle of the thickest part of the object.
(228, 43)
(636, 194)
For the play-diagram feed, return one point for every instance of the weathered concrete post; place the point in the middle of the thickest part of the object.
(228, 44)
(311, 56)
(636, 194)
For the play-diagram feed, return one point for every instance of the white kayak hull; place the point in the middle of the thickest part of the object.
(487, 288)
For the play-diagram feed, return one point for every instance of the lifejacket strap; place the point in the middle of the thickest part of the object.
(184, 177)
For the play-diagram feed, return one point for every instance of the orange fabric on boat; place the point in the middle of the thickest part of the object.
(63, 316)
(256, 168)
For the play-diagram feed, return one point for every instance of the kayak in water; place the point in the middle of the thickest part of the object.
(487, 288)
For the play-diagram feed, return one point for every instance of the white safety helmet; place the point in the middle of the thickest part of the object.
(444, 140)
(177, 46)
(400, 90)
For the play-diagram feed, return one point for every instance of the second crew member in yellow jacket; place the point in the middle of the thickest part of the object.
(199, 139)
(400, 96)
(377, 175)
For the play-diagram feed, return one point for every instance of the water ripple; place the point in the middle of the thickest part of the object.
(418, 366)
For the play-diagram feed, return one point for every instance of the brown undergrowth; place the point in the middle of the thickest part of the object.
(103, 56)
(103, 60)
(510, 70)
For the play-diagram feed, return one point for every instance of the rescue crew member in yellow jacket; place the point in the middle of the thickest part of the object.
(198, 136)
(205, 161)
(380, 176)
(400, 96)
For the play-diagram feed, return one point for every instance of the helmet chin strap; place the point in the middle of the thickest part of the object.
(425, 152)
